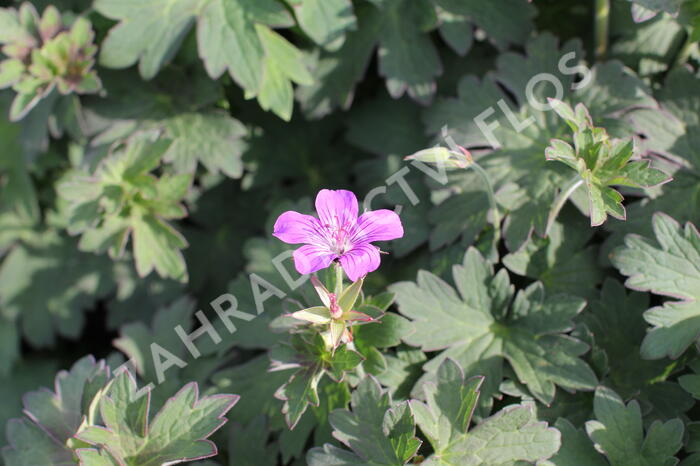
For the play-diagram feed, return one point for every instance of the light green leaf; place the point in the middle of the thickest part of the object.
(10, 72)
(122, 199)
(344, 360)
(148, 32)
(10, 26)
(282, 66)
(315, 315)
(157, 247)
(385, 333)
(500, 439)
(212, 139)
(326, 21)
(450, 404)
(24, 102)
(227, 37)
(233, 35)
(671, 132)
(60, 413)
(92, 457)
(54, 417)
(349, 297)
(601, 162)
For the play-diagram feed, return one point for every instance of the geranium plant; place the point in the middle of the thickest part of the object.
(349, 232)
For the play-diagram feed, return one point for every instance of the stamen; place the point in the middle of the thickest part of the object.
(339, 235)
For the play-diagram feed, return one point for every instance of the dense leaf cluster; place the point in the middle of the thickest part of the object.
(542, 307)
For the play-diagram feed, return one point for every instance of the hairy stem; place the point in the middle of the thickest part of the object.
(492, 199)
(338, 279)
(559, 202)
(602, 20)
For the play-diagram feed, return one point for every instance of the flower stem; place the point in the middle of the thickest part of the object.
(559, 202)
(338, 279)
(602, 20)
(492, 200)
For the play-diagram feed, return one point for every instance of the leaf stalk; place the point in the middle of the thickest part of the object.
(559, 202)
(492, 200)
(602, 22)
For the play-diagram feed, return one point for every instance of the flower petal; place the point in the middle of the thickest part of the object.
(295, 228)
(336, 207)
(360, 260)
(377, 225)
(310, 258)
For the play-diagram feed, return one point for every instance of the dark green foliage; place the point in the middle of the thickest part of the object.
(542, 306)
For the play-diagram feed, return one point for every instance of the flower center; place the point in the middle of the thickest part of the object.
(339, 236)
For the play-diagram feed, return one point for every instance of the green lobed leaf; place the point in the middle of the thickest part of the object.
(672, 134)
(479, 328)
(213, 139)
(666, 266)
(505, 23)
(601, 163)
(233, 35)
(377, 431)
(54, 417)
(564, 262)
(617, 432)
(29, 445)
(326, 22)
(615, 322)
(576, 447)
(509, 436)
(313, 357)
(249, 445)
(122, 199)
(521, 132)
(669, 6)
(149, 33)
(178, 432)
(70, 283)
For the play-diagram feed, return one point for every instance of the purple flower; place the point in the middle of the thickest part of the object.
(338, 234)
